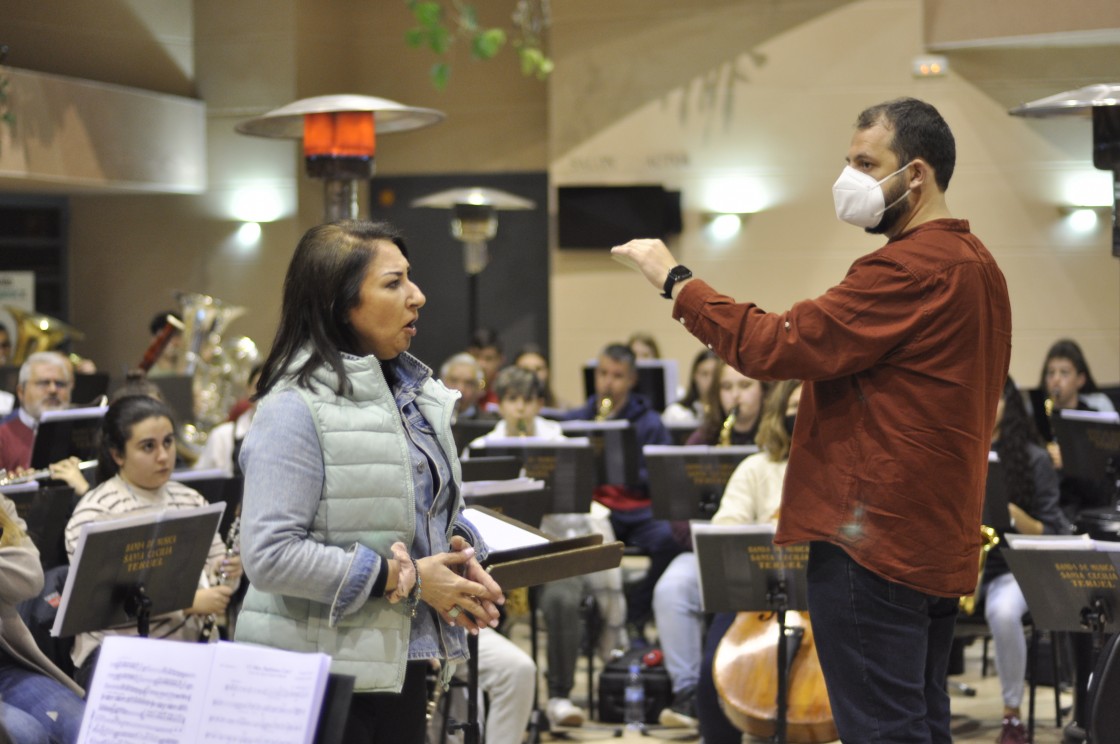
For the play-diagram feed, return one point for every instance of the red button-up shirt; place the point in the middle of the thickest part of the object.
(904, 362)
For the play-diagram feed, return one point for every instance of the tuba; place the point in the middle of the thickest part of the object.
(219, 370)
(38, 332)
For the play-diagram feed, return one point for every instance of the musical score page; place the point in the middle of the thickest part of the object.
(147, 690)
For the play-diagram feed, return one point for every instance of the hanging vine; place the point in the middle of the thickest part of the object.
(442, 23)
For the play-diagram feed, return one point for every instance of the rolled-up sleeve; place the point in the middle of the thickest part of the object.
(284, 474)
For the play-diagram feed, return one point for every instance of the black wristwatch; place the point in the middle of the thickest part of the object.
(676, 274)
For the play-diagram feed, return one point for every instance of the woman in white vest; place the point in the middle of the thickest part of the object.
(352, 535)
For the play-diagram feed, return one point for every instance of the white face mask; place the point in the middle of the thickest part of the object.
(859, 198)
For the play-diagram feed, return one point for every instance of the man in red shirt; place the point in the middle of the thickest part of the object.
(903, 363)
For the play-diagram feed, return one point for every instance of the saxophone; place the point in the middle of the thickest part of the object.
(991, 539)
(606, 405)
(728, 426)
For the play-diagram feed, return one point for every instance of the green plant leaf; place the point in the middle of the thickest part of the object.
(439, 39)
(440, 74)
(468, 17)
(488, 43)
(414, 37)
(428, 14)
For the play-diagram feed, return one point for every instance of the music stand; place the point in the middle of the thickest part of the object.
(617, 455)
(490, 468)
(130, 568)
(72, 432)
(681, 432)
(90, 386)
(465, 431)
(687, 482)
(657, 380)
(217, 487)
(523, 499)
(567, 467)
(996, 514)
(178, 393)
(1090, 443)
(45, 511)
(741, 570)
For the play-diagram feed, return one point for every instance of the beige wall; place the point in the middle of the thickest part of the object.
(690, 95)
(776, 116)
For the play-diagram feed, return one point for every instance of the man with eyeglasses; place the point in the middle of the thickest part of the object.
(45, 382)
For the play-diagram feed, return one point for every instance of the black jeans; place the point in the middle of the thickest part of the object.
(884, 651)
(386, 717)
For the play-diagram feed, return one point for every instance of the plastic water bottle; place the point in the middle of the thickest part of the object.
(634, 709)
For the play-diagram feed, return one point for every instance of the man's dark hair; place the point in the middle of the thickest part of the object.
(485, 338)
(919, 132)
(620, 353)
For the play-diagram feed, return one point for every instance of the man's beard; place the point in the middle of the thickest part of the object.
(895, 213)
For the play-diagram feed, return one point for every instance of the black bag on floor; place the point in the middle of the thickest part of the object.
(612, 686)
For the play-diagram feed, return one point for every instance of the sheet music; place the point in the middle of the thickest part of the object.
(699, 449)
(701, 527)
(501, 535)
(1105, 417)
(257, 695)
(513, 485)
(73, 414)
(1049, 542)
(544, 442)
(147, 690)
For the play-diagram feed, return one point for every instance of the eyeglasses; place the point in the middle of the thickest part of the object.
(45, 384)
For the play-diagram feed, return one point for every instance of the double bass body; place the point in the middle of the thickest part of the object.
(746, 676)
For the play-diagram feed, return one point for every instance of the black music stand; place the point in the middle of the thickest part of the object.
(523, 499)
(540, 559)
(72, 432)
(1090, 443)
(45, 510)
(490, 468)
(216, 486)
(617, 455)
(657, 380)
(687, 482)
(742, 570)
(567, 467)
(465, 431)
(996, 513)
(1069, 590)
(128, 569)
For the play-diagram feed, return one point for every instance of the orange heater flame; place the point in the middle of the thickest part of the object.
(344, 134)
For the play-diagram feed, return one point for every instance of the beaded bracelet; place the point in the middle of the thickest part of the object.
(413, 600)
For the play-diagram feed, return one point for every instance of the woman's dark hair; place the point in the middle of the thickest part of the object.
(1067, 348)
(693, 393)
(322, 286)
(1016, 430)
(919, 131)
(116, 428)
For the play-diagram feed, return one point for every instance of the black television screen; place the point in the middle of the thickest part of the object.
(605, 216)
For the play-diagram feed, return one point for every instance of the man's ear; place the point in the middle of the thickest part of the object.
(921, 174)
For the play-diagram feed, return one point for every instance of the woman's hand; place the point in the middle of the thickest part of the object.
(458, 599)
(212, 601)
(68, 471)
(231, 568)
(1055, 455)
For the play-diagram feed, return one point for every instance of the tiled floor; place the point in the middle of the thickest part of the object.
(976, 718)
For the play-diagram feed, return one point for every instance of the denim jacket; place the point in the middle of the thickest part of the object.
(330, 483)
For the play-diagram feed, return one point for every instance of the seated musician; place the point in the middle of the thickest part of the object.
(520, 398)
(689, 410)
(46, 380)
(752, 496)
(616, 374)
(1033, 501)
(462, 372)
(134, 465)
(38, 702)
(731, 392)
(223, 443)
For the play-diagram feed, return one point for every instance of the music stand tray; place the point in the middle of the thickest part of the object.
(687, 482)
(68, 433)
(490, 468)
(521, 555)
(567, 467)
(1090, 443)
(132, 567)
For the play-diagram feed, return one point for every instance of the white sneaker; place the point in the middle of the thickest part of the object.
(563, 712)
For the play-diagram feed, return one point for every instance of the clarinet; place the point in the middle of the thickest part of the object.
(232, 538)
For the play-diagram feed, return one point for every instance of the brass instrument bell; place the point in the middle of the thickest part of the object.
(38, 332)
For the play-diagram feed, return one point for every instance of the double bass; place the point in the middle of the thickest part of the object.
(745, 671)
